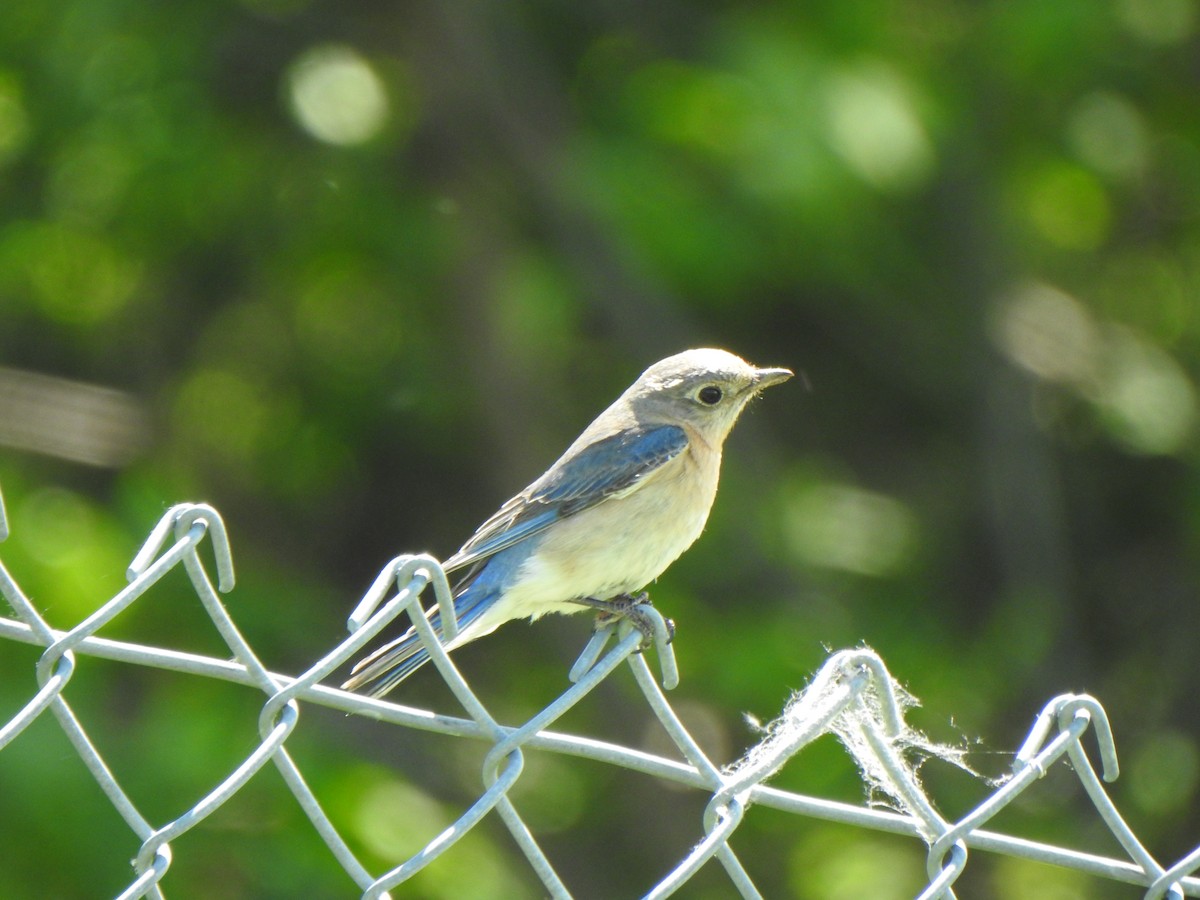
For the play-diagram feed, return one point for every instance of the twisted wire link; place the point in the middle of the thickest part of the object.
(852, 694)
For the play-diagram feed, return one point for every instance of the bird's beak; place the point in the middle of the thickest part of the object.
(764, 378)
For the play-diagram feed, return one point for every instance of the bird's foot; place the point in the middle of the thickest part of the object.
(652, 629)
(631, 607)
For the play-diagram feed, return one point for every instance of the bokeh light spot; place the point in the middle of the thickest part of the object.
(840, 526)
(58, 527)
(395, 820)
(84, 557)
(830, 866)
(1107, 132)
(1025, 879)
(1068, 207)
(337, 96)
(1142, 396)
(1049, 333)
(874, 127)
(551, 795)
(688, 105)
(76, 276)
(224, 413)
(1146, 399)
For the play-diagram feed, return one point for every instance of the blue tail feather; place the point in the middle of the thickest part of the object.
(392, 663)
(481, 587)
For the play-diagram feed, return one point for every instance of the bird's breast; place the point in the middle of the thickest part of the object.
(622, 544)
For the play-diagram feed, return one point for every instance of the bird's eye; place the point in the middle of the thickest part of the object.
(709, 396)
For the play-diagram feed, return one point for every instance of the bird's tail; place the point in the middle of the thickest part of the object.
(390, 664)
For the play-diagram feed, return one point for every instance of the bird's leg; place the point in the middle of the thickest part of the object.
(627, 606)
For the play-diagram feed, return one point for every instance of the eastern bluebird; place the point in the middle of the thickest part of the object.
(625, 500)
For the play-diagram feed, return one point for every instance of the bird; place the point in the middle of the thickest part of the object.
(622, 503)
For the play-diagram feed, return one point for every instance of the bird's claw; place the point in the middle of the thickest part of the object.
(631, 608)
(641, 614)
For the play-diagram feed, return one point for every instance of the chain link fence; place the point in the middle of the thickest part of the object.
(852, 696)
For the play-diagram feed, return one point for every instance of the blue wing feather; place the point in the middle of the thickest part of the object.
(597, 472)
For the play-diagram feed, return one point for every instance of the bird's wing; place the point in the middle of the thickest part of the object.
(610, 467)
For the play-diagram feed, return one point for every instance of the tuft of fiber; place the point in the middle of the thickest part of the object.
(855, 698)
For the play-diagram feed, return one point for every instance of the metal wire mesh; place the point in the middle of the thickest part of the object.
(852, 695)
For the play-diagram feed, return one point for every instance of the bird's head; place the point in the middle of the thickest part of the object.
(704, 390)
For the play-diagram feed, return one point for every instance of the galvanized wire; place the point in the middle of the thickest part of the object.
(852, 695)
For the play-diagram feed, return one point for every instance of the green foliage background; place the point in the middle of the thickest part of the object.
(357, 314)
